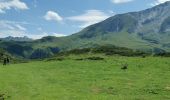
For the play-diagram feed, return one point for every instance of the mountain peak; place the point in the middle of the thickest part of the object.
(150, 26)
(11, 38)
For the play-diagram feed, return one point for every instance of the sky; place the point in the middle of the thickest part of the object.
(39, 18)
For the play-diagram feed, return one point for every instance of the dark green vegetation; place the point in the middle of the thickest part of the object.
(107, 50)
(147, 30)
(77, 78)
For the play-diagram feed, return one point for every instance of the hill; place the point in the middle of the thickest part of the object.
(10, 38)
(147, 30)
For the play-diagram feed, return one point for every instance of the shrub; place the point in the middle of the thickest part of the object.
(79, 51)
(95, 58)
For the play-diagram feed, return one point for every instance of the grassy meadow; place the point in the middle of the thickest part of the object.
(74, 78)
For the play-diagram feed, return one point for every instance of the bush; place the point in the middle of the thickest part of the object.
(107, 50)
(165, 54)
(95, 58)
(112, 50)
(79, 51)
(40, 54)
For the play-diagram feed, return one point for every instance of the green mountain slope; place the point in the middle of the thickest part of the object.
(147, 30)
(138, 30)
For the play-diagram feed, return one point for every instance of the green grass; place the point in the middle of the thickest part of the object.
(146, 79)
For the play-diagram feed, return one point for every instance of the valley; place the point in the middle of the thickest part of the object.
(146, 30)
(122, 56)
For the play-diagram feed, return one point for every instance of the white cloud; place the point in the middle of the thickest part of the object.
(38, 36)
(5, 25)
(21, 27)
(53, 16)
(1, 11)
(10, 28)
(11, 25)
(9, 4)
(120, 1)
(16, 29)
(14, 33)
(89, 17)
(58, 35)
(157, 2)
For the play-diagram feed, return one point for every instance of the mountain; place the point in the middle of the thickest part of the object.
(147, 30)
(10, 38)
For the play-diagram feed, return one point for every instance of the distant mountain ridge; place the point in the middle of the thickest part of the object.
(10, 38)
(147, 30)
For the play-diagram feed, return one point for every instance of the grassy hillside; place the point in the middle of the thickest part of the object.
(79, 78)
(147, 30)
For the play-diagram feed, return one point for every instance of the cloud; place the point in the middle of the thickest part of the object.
(11, 28)
(58, 35)
(53, 16)
(37, 36)
(89, 17)
(17, 29)
(9, 4)
(5, 25)
(14, 33)
(11, 25)
(21, 27)
(120, 1)
(44, 34)
(157, 2)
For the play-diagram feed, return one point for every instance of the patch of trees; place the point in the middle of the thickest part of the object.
(95, 58)
(90, 58)
(40, 54)
(163, 54)
(18, 49)
(112, 50)
(54, 49)
(44, 53)
(1, 54)
(107, 50)
(79, 51)
(160, 52)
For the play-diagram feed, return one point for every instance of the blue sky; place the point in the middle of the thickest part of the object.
(38, 18)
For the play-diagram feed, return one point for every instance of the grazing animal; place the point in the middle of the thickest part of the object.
(125, 67)
(143, 56)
